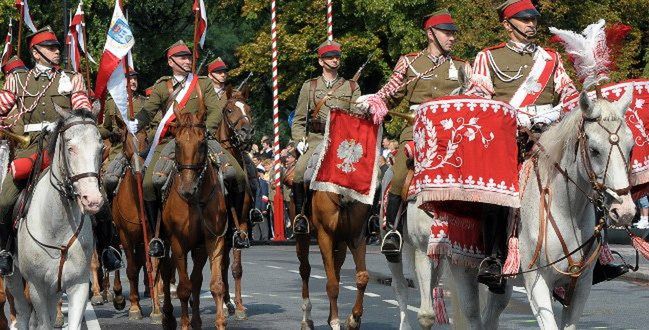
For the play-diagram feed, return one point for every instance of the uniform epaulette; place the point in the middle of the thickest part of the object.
(163, 78)
(498, 46)
(413, 54)
(455, 58)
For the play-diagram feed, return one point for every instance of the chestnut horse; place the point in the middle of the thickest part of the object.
(128, 224)
(338, 223)
(193, 220)
(234, 134)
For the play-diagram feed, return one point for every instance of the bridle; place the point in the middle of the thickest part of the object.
(200, 166)
(236, 138)
(65, 185)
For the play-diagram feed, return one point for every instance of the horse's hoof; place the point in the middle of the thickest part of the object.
(135, 315)
(59, 323)
(197, 324)
(307, 325)
(119, 303)
(173, 289)
(231, 309)
(156, 318)
(353, 323)
(97, 300)
(240, 315)
(108, 296)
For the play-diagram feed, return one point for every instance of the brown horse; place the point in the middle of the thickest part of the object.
(4, 297)
(338, 224)
(193, 220)
(234, 134)
(126, 216)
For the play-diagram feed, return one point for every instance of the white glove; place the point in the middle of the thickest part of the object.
(362, 102)
(132, 126)
(302, 147)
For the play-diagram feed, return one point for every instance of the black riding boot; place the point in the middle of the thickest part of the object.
(111, 257)
(494, 232)
(391, 246)
(156, 247)
(6, 256)
(301, 223)
(608, 272)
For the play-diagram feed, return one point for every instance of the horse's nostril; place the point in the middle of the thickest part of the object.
(615, 212)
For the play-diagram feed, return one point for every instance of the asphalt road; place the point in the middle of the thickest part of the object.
(272, 296)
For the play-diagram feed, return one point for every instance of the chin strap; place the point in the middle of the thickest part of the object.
(517, 30)
(179, 66)
(439, 45)
(54, 65)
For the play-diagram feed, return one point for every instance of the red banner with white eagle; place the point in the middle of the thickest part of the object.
(349, 162)
(637, 118)
(465, 150)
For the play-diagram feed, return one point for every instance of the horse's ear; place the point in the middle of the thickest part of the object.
(228, 91)
(201, 114)
(624, 102)
(588, 106)
(245, 93)
(62, 112)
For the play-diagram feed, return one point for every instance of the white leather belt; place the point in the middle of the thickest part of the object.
(36, 127)
(534, 114)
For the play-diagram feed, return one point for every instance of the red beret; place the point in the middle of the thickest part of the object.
(521, 8)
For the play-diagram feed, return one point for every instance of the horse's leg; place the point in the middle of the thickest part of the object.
(237, 274)
(39, 299)
(95, 269)
(466, 287)
(425, 281)
(495, 305)
(119, 302)
(12, 308)
(168, 318)
(216, 249)
(77, 297)
(302, 243)
(3, 299)
(199, 258)
(572, 313)
(326, 243)
(184, 289)
(59, 320)
(132, 273)
(538, 294)
(362, 277)
(22, 308)
(400, 285)
(226, 281)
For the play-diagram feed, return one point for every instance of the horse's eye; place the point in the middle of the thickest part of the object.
(593, 152)
(229, 110)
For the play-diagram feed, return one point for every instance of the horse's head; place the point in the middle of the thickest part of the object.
(236, 118)
(191, 152)
(77, 149)
(605, 143)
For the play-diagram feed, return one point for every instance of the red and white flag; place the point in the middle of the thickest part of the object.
(23, 9)
(76, 40)
(201, 29)
(8, 50)
(111, 76)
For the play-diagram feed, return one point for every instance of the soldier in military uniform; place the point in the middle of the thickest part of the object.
(516, 72)
(164, 93)
(317, 97)
(418, 77)
(112, 129)
(32, 93)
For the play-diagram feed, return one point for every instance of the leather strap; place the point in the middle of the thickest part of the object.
(172, 93)
(318, 106)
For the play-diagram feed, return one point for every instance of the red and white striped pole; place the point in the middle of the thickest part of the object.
(278, 201)
(330, 21)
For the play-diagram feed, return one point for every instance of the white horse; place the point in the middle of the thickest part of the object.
(592, 141)
(55, 241)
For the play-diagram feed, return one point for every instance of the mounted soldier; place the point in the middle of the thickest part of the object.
(112, 129)
(317, 97)
(418, 77)
(27, 103)
(186, 92)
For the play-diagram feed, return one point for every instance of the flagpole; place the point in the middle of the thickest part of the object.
(195, 50)
(330, 24)
(278, 202)
(86, 46)
(20, 29)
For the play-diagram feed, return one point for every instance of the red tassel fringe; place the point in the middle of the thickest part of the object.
(438, 305)
(513, 262)
(641, 245)
(605, 256)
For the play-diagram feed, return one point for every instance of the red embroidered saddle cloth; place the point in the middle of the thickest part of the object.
(637, 118)
(465, 158)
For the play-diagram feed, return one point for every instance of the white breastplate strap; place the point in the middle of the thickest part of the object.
(542, 113)
(36, 127)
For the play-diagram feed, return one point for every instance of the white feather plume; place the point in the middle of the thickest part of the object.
(589, 51)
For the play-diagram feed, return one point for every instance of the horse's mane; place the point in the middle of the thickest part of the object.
(561, 137)
(54, 135)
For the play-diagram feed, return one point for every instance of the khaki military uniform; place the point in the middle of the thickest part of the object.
(113, 125)
(341, 94)
(439, 77)
(157, 103)
(35, 92)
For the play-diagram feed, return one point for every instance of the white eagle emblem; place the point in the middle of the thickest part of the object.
(350, 152)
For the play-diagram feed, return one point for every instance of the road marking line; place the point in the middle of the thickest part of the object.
(373, 295)
(391, 302)
(414, 309)
(520, 289)
(91, 318)
(293, 271)
(318, 277)
(249, 263)
(349, 287)
(273, 267)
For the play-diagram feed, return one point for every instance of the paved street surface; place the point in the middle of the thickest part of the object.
(272, 295)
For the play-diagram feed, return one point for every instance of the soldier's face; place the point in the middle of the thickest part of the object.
(330, 62)
(180, 64)
(132, 83)
(446, 38)
(219, 77)
(51, 53)
(525, 25)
